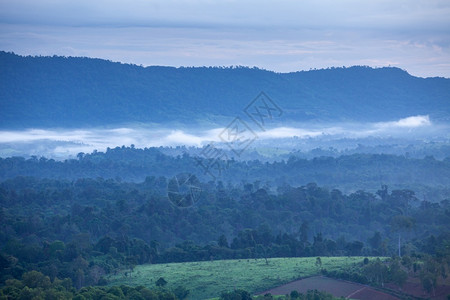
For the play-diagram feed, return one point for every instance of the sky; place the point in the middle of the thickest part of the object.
(283, 36)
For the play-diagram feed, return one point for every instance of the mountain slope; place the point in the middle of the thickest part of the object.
(80, 92)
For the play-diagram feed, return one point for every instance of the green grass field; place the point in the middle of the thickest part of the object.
(207, 279)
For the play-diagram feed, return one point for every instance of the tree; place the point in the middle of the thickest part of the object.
(401, 223)
(236, 295)
(375, 242)
(376, 271)
(294, 295)
(383, 193)
(35, 279)
(397, 275)
(181, 292)
(428, 282)
(116, 291)
(319, 245)
(403, 199)
(223, 241)
(161, 282)
(304, 233)
(354, 248)
(79, 279)
(318, 262)
(261, 251)
(429, 274)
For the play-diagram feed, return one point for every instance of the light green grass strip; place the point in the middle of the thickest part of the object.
(207, 279)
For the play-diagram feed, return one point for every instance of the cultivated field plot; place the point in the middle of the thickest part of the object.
(208, 279)
(414, 287)
(337, 288)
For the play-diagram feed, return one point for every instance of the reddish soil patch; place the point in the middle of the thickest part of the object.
(337, 288)
(370, 293)
(414, 288)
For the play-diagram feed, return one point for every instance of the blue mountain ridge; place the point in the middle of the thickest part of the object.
(39, 91)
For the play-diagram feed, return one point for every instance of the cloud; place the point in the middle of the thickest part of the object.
(178, 137)
(64, 143)
(419, 14)
(288, 132)
(410, 122)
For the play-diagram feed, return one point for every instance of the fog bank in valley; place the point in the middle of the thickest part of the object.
(67, 143)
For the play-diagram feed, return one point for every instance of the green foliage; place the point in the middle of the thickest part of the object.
(181, 292)
(349, 172)
(88, 231)
(397, 274)
(209, 278)
(429, 274)
(161, 282)
(318, 262)
(294, 295)
(35, 285)
(84, 230)
(34, 279)
(236, 295)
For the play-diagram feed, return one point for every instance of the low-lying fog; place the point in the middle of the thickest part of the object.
(417, 131)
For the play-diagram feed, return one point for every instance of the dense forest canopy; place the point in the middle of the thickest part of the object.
(429, 177)
(65, 220)
(68, 224)
(325, 176)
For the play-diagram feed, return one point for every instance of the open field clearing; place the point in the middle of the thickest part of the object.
(207, 279)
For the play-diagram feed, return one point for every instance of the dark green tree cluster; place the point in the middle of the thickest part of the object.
(87, 228)
(82, 229)
(35, 285)
(236, 295)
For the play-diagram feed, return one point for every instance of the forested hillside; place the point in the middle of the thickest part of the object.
(81, 92)
(87, 228)
(80, 221)
(224, 150)
(428, 177)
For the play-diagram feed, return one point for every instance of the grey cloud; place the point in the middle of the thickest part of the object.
(283, 36)
(417, 14)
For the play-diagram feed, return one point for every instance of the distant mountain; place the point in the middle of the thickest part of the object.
(81, 92)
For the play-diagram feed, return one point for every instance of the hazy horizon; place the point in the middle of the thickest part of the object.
(286, 37)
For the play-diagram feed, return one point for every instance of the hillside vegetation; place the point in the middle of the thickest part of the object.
(428, 177)
(209, 279)
(81, 92)
(86, 228)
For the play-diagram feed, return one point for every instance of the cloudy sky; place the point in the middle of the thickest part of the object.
(284, 35)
